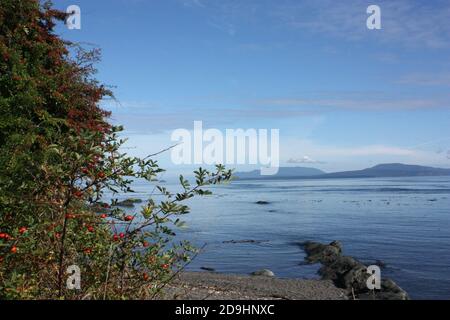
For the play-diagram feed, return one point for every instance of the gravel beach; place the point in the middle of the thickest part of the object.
(215, 286)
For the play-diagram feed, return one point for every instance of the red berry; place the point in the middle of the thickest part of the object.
(103, 216)
(101, 175)
(22, 230)
(14, 249)
(145, 244)
(116, 237)
(85, 170)
(105, 205)
(90, 228)
(145, 276)
(5, 236)
(88, 251)
(128, 218)
(165, 266)
(78, 193)
(122, 235)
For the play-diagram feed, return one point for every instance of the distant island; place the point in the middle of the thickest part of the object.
(378, 171)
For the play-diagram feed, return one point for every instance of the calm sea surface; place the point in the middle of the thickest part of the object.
(404, 222)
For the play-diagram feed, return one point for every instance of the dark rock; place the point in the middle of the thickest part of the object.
(349, 273)
(208, 269)
(317, 252)
(370, 295)
(128, 202)
(355, 279)
(262, 202)
(388, 285)
(389, 291)
(337, 269)
(337, 244)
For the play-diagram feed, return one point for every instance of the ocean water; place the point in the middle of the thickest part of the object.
(404, 222)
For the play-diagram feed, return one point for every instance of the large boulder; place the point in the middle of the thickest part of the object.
(349, 273)
(323, 253)
(392, 290)
(355, 279)
(337, 269)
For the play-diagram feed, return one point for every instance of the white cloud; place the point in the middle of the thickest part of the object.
(304, 159)
(335, 157)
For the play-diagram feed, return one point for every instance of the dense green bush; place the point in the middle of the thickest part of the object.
(58, 155)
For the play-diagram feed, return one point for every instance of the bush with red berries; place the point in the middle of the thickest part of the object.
(58, 158)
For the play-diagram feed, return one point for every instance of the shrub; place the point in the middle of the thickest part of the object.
(58, 157)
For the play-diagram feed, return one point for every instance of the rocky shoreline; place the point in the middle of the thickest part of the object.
(343, 278)
(348, 273)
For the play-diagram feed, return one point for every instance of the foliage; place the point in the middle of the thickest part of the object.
(58, 158)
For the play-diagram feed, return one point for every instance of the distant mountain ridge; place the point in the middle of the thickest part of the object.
(378, 171)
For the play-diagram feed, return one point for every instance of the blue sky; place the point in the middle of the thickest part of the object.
(343, 97)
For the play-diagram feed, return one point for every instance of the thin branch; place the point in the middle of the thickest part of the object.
(162, 151)
(178, 271)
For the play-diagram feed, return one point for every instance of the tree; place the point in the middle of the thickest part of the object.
(58, 156)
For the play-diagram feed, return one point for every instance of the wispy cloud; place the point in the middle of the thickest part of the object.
(326, 151)
(406, 22)
(192, 3)
(362, 104)
(229, 15)
(304, 159)
(137, 116)
(372, 150)
(426, 79)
